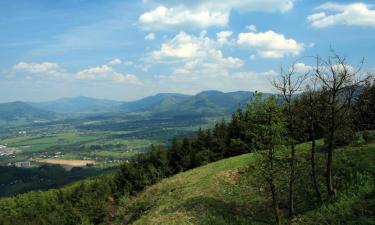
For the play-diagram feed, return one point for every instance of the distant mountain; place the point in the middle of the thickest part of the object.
(78, 105)
(156, 103)
(207, 103)
(211, 103)
(20, 111)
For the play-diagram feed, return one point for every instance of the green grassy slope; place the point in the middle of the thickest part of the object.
(225, 192)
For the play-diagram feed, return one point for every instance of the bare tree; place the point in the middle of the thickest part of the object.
(311, 109)
(288, 84)
(339, 81)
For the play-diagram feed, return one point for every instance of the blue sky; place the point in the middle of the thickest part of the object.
(126, 50)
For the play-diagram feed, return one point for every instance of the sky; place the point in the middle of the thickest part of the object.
(129, 49)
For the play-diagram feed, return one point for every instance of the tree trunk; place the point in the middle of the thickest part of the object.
(329, 180)
(275, 202)
(313, 174)
(291, 181)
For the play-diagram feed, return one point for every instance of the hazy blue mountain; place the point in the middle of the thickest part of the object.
(156, 103)
(204, 103)
(79, 105)
(20, 111)
(207, 103)
(211, 103)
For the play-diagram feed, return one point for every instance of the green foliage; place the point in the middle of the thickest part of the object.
(85, 202)
(368, 136)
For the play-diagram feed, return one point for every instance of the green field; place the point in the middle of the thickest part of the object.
(101, 139)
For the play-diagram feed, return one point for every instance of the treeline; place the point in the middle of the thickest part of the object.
(332, 102)
(86, 202)
(15, 180)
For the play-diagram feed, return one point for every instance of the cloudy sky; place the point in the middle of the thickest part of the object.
(126, 50)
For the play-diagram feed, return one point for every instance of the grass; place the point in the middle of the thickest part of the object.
(228, 192)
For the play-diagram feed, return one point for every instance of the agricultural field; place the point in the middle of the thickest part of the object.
(108, 142)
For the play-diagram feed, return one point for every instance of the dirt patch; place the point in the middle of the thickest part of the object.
(74, 163)
(231, 176)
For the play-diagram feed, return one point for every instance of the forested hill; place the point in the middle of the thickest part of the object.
(206, 103)
(23, 111)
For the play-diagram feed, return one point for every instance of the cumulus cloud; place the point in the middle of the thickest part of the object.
(269, 44)
(115, 62)
(223, 36)
(183, 46)
(353, 14)
(163, 17)
(202, 14)
(186, 47)
(302, 68)
(43, 67)
(106, 72)
(195, 56)
(150, 37)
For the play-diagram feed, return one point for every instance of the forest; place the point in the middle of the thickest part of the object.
(327, 108)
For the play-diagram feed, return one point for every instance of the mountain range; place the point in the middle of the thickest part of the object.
(206, 103)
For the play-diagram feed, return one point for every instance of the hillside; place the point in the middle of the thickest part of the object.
(225, 192)
(155, 103)
(20, 111)
(206, 103)
(78, 105)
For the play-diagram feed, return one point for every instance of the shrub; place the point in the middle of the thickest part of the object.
(368, 136)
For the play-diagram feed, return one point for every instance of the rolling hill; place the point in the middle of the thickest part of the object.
(20, 111)
(78, 105)
(156, 103)
(206, 103)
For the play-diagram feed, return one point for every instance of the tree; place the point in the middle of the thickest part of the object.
(339, 81)
(310, 108)
(268, 129)
(175, 156)
(219, 142)
(365, 107)
(288, 85)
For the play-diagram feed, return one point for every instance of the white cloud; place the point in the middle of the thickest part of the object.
(222, 37)
(150, 37)
(195, 56)
(302, 68)
(106, 72)
(163, 18)
(36, 67)
(269, 44)
(51, 69)
(183, 46)
(115, 62)
(252, 28)
(202, 14)
(353, 14)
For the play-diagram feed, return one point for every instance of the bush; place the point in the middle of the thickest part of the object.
(368, 136)
(358, 139)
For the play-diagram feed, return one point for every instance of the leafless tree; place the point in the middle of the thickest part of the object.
(314, 98)
(288, 84)
(339, 81)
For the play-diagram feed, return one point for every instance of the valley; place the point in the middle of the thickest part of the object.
(99, 135)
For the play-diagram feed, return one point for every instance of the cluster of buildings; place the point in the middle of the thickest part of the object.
(7, 151)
